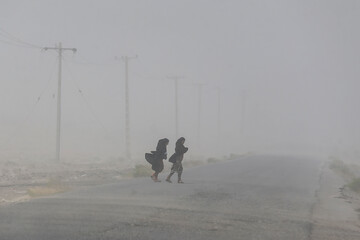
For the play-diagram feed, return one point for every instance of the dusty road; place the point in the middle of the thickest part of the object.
(257, 197)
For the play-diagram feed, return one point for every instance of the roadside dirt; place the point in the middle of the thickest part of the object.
(336, 206)
(23, 181)
(20, 182)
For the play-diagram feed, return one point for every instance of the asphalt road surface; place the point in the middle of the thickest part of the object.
(255, 197)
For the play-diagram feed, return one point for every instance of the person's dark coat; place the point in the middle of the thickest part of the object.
(180, 150)
(155, 158)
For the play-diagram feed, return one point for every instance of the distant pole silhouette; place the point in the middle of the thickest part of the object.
(176, 82)
(218, 112)
(127, 111)
(200, 86)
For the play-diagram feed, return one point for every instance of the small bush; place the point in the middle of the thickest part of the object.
(341, 168)
(52, 187)
(141, 171)
(354, 185)
(213, 160)
(192, 163)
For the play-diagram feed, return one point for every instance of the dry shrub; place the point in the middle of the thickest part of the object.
(52, 187)
(354, 185)
(141, 171)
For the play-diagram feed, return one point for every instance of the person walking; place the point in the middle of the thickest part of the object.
(176, 159)
(155, 158)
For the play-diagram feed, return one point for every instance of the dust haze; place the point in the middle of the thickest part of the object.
(275, 77)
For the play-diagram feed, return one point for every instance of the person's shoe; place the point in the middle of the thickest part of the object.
(180, 181)
(155, 179)
(168, 180)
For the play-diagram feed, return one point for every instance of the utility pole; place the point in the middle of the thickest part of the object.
(243, 112)
(176, 80)
(218, 111)
(219, 137)
(200, 86)
(60, 50)
(127, 111)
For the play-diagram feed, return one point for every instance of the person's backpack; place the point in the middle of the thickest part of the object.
(149, 157)
(172, 159)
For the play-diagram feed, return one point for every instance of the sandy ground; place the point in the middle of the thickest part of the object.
(261, 197)
(16, 179)
(335, 213)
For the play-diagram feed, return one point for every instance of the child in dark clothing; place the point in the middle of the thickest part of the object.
(156, 158)
(177, 158)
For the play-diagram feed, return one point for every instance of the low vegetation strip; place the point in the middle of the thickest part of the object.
(354, 185)
(342, 169)
(52, 187)
(348, 172)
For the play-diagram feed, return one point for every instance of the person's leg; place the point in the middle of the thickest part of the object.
(168, 179)
(180, 170)
(156, 174)
(153, 167)
(171, 173)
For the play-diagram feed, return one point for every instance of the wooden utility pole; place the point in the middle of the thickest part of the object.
(60, 50)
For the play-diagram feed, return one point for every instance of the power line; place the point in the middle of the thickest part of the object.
(29, 114)
(87, 102)
(17, 40)
(13, 44)
(91, 63)
(148, 77)
(47, 84)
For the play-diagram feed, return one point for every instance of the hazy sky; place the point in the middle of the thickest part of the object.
(288, 72)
